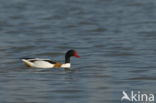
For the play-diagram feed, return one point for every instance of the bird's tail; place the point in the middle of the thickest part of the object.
(28, 63)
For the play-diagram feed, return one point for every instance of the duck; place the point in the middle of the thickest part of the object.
(47, 63)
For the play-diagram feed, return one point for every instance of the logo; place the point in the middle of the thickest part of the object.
(137, 97)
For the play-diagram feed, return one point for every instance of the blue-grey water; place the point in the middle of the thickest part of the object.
(116, 40)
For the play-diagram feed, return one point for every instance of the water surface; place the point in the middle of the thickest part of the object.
(115, 39)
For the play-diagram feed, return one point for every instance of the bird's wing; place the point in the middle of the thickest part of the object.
(50, 61)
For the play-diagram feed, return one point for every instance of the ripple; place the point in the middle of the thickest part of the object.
(99, 30)
(72, 97)
(49, 54)
(67, 91)
(70, 26)
(120, 54)
(85, 23)
(143, 78)
(139, 71)
(22, 48)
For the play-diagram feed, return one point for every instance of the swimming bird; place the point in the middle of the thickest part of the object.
(47, 63)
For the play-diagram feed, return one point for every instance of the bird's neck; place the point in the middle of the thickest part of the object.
(67, 59)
